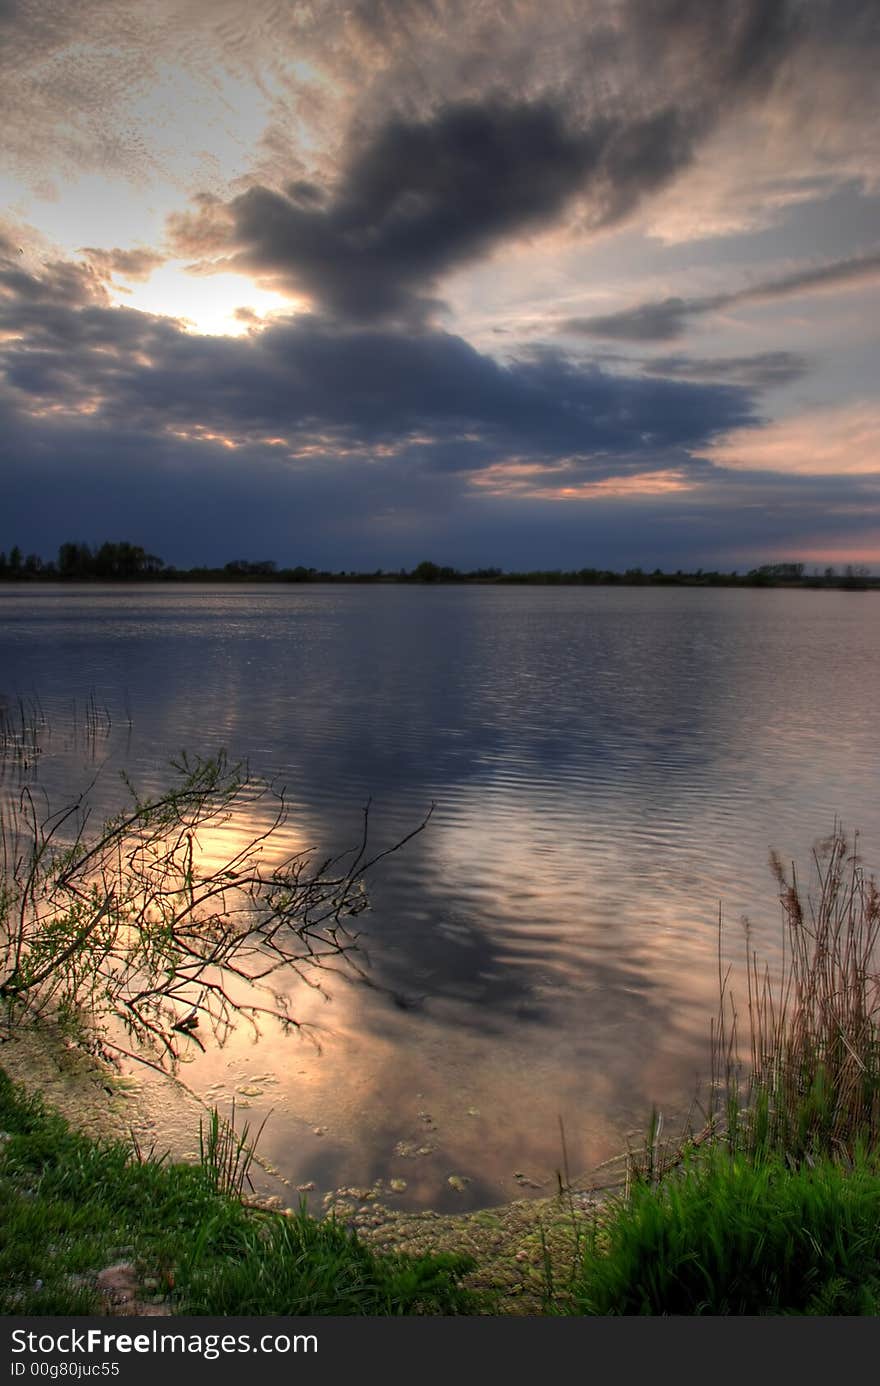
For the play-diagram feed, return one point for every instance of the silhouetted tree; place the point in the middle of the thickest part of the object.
(426, 572)
(75, 561)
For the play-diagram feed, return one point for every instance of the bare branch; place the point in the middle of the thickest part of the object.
(131, 927)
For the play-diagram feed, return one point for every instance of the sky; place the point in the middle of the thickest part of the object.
(513, 283)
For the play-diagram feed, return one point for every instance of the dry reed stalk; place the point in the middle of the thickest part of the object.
(814, 1027)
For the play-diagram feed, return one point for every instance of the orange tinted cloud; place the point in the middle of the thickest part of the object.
(535, 481)
(842, 441)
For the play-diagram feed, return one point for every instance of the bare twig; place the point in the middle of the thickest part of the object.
(133, 925)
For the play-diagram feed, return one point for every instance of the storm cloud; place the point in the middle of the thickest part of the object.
(424, 197)
(305, 383)
(417, 196)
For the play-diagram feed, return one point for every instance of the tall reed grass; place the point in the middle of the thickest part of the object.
(810, 1085)
(774, 1206)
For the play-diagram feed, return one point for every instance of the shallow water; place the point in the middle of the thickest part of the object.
(607, 766)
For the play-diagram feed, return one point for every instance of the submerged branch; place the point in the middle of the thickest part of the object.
(135, 925)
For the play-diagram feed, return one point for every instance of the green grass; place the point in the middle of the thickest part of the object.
(778, 1212)
(732, 1235)
(70, 1206)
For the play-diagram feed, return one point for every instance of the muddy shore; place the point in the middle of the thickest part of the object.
(513, 1244)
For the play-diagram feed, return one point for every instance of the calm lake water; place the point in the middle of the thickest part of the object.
(608, 766)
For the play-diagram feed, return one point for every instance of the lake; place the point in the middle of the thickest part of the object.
(608, 767)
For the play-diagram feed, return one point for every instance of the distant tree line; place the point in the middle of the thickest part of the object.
(125, 562)
(109, 561)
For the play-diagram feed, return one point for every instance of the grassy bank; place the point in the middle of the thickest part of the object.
(778, 1211)
(731, 1235)
(73, 1210)
(88, 1227)
(775, 1209)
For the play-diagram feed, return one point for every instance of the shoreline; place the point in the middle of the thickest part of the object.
(509, 1242)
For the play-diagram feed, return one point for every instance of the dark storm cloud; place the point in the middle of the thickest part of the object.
(309, 381)
(424, 137)
(666, 319)
(359, 432)
(758, 371)
(197, 502)
(420, 195)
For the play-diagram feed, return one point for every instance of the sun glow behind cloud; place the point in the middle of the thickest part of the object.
(619, 254)
(208, 305)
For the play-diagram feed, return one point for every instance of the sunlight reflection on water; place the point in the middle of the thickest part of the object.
(607, 766)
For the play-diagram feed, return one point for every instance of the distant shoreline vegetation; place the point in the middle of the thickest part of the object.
(126, 562)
